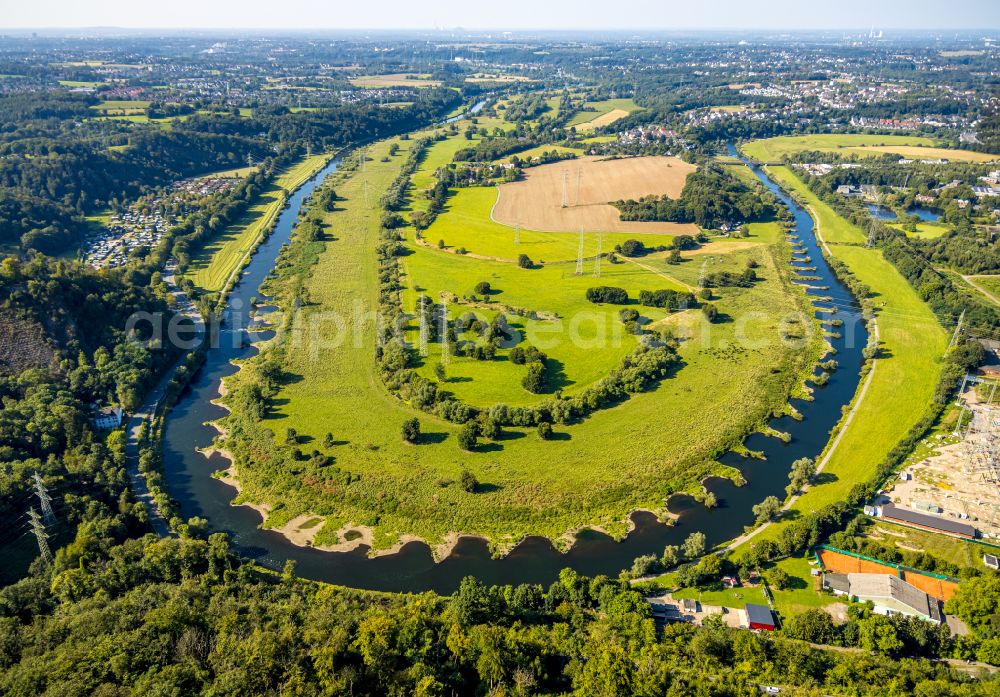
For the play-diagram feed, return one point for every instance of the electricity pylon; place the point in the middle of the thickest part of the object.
(517, 233)
(44, 500)
(871, 235)
(597, 259)
(38, 527)
(579, 256)
(425, 330)
(579, 176)
(444, 331)
(958, 328)
(565, 196)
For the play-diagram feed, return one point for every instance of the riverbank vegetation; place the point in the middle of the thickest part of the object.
(64, 352)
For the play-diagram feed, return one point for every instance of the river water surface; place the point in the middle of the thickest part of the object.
(535, 560)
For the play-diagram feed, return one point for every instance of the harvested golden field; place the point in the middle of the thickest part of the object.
(590, 183)
(917, 152)
(602, 120)
(395, 80)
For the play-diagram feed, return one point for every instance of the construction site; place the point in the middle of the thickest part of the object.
(956, 489)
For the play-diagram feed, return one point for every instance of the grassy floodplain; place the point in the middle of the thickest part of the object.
(906, 374)
(214, 263)
(924, 231)
(583, 477)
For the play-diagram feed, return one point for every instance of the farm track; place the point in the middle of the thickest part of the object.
(969, 279)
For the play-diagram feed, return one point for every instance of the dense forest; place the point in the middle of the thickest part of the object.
(710, 198)
(183, 616)
(50, 178)
(71, 353)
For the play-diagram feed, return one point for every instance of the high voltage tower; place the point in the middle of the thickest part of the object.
(579, 256)
(444, 331)
(597, 259)
(425, 329)
(565, 198)
(517, 233)
(44, 499)
(579, 176)
(38, 527)
(871, 234)
(955, 334)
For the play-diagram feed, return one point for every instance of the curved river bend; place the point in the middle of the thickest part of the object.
(535, 560)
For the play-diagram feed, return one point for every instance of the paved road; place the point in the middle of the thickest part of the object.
(137, 479)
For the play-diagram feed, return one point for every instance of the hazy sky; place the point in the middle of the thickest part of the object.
(504, 14)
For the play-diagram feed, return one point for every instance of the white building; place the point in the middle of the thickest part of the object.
(108, 418)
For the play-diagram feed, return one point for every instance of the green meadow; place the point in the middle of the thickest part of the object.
(924, 231)
(466, 224)
(593, 473)
(593, 111)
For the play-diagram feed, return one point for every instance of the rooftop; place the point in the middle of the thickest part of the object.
(759, 614)
(905, 515)
(887, 586)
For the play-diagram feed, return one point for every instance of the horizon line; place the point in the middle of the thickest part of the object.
(508, 30)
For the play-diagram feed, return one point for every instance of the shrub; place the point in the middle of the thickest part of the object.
(411, 430)
(483, 288)
(467, 480)
(468, 436)
(607, 294)
(491, 429)
(711, 311)
(534, 381)
(544, 430)
(525, 262)
(631, 248)
(666, 298)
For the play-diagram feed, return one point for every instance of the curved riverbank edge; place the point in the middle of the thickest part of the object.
(303, 528)
(155, 404)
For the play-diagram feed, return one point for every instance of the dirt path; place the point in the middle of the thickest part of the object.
(988, 294)
(659, 273)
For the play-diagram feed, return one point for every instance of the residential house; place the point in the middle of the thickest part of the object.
(757, 617)
(889, 594)
(107, 418)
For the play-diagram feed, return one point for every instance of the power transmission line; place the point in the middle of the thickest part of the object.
(38, 527)
(44, 499)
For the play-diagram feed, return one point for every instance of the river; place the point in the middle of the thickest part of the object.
(535, 560)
